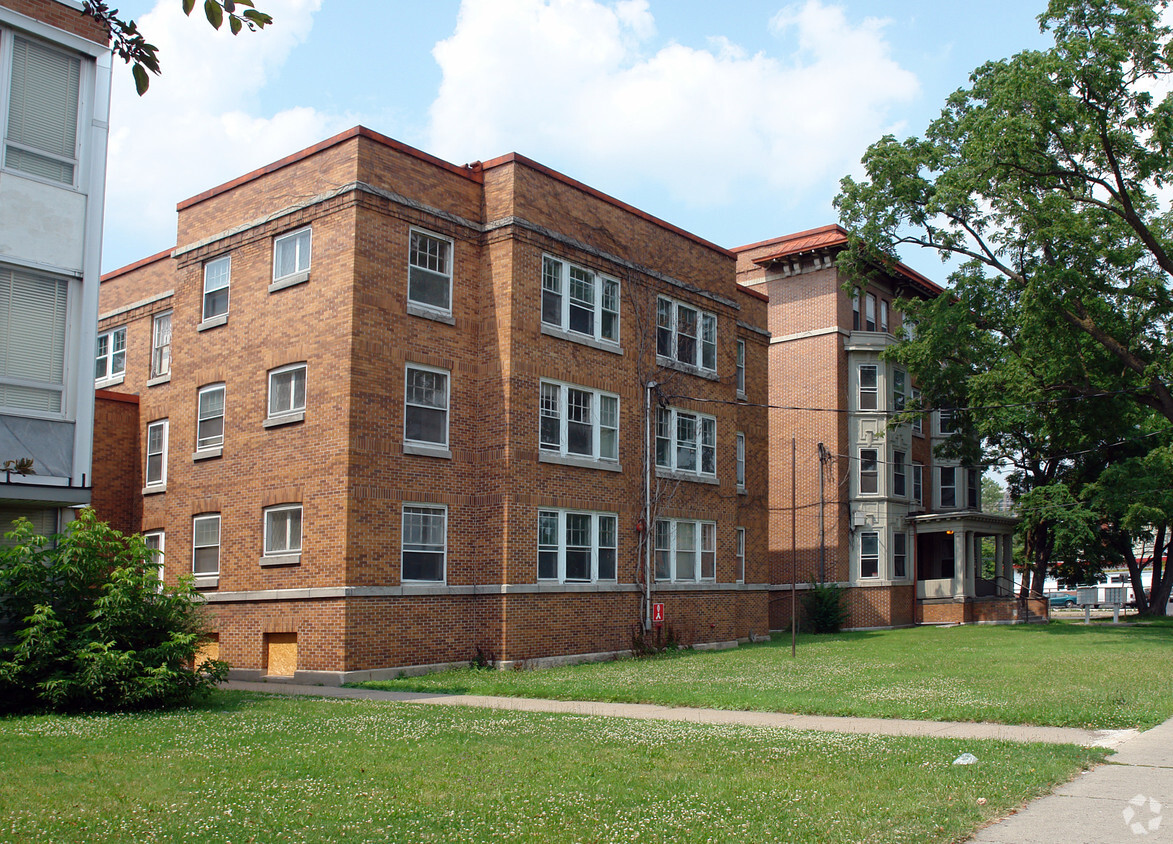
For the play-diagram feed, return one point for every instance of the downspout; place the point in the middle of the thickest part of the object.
(649, 526)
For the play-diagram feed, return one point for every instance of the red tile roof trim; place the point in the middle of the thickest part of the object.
(141, 262)
(110, 395)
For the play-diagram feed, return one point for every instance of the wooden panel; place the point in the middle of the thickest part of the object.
(281, 653)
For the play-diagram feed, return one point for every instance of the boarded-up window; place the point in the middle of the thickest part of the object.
(281, 654)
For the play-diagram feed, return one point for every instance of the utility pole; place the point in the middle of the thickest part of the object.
(824, 458)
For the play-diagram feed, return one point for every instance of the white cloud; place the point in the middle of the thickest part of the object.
(199, 124)
(579, 83)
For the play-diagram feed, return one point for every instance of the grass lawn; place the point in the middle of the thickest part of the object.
(1058, 674)
(256, 768)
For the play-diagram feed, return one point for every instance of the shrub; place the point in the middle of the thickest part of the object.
(86, 624)
(823, 608)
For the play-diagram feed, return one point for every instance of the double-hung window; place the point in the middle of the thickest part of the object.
(155, 540)
(740, 368)
(972, 484)
(869, 554)
(43, 90)
(900, 555)
(205, 545)
(869, 312)
(884, 315)
(424, 545)
(33, 313)
(426, 406)
(217, 280)
(111, 358)
(579, 300)
(869, 391)
(918, 421)
(287, 390)
(899, 388)
(686, 442)
(899, 474)
(856, 322)
(156, 468)
(739, 534)
(429, 271)
(210, 420)
(869, 471)
(575, 421)
(918, 489)
(686, 335)
(161, 345)
(947, 422)
(947, 485)
(576, 547)
(740, 461)
(685, 550)
(283, 530)
(291, 255)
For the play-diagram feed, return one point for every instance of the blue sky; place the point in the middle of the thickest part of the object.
(735, 122)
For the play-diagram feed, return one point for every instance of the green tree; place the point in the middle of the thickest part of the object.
(132, 47)
(1041, 178)
(86, 624)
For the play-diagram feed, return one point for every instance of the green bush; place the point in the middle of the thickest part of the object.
(85, 624)
(823, 608)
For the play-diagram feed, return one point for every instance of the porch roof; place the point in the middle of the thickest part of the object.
(967, 520)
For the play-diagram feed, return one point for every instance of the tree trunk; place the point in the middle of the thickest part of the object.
(1134, 573)
(1162, 578)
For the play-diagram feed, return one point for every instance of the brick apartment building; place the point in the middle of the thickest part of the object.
(903, 529)
(392, 411)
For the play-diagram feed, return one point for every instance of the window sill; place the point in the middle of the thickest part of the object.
(289, 281)
(742, 491)
(154, 489)
(213, 322)
(580, 462)
(425, 450)
(112, 381)
(741, 394)
(208, 581)
(428, 313)
(159, 379)
(670, 363)
(281, 560)
(284, 419)
(582, 339)
(207, 453)
(691, 477)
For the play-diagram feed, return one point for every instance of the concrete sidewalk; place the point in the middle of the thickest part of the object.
(1122, 800)
(821, 723)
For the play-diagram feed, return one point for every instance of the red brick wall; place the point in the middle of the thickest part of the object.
(61, 16)
(116, 496)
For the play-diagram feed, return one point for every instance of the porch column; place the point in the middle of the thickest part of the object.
(1000, 566)
(1006, 543)
(961, 566)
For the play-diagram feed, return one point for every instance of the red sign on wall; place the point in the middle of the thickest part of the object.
(657, 613)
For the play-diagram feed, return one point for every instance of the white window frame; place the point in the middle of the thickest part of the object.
(34, 341)
(942, 486)
(856, 315)
(918, 483)
(160, 350)
(946, 421)
(884, 315)
(294, 240)
(556, 553)
(195, 547)
(739, 554)
(431, 510)
(212, 274)
(864, 536)
(700, 422)
(447, 259)
(973, 488)
(874, 472)
(556, 299)
(161, 481)
(294, 407)
(869, 315)
(900, 555)
(8, 39)
(740, 369)
(559, 409)
(157, 541)
(899, 474)
(204, 443)
(899, 389)
(918, 421)
(447, 408)
(872, 392)
(271, 514)
(739, 458)
(704, 548)
(113, 357)
(669, 334)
